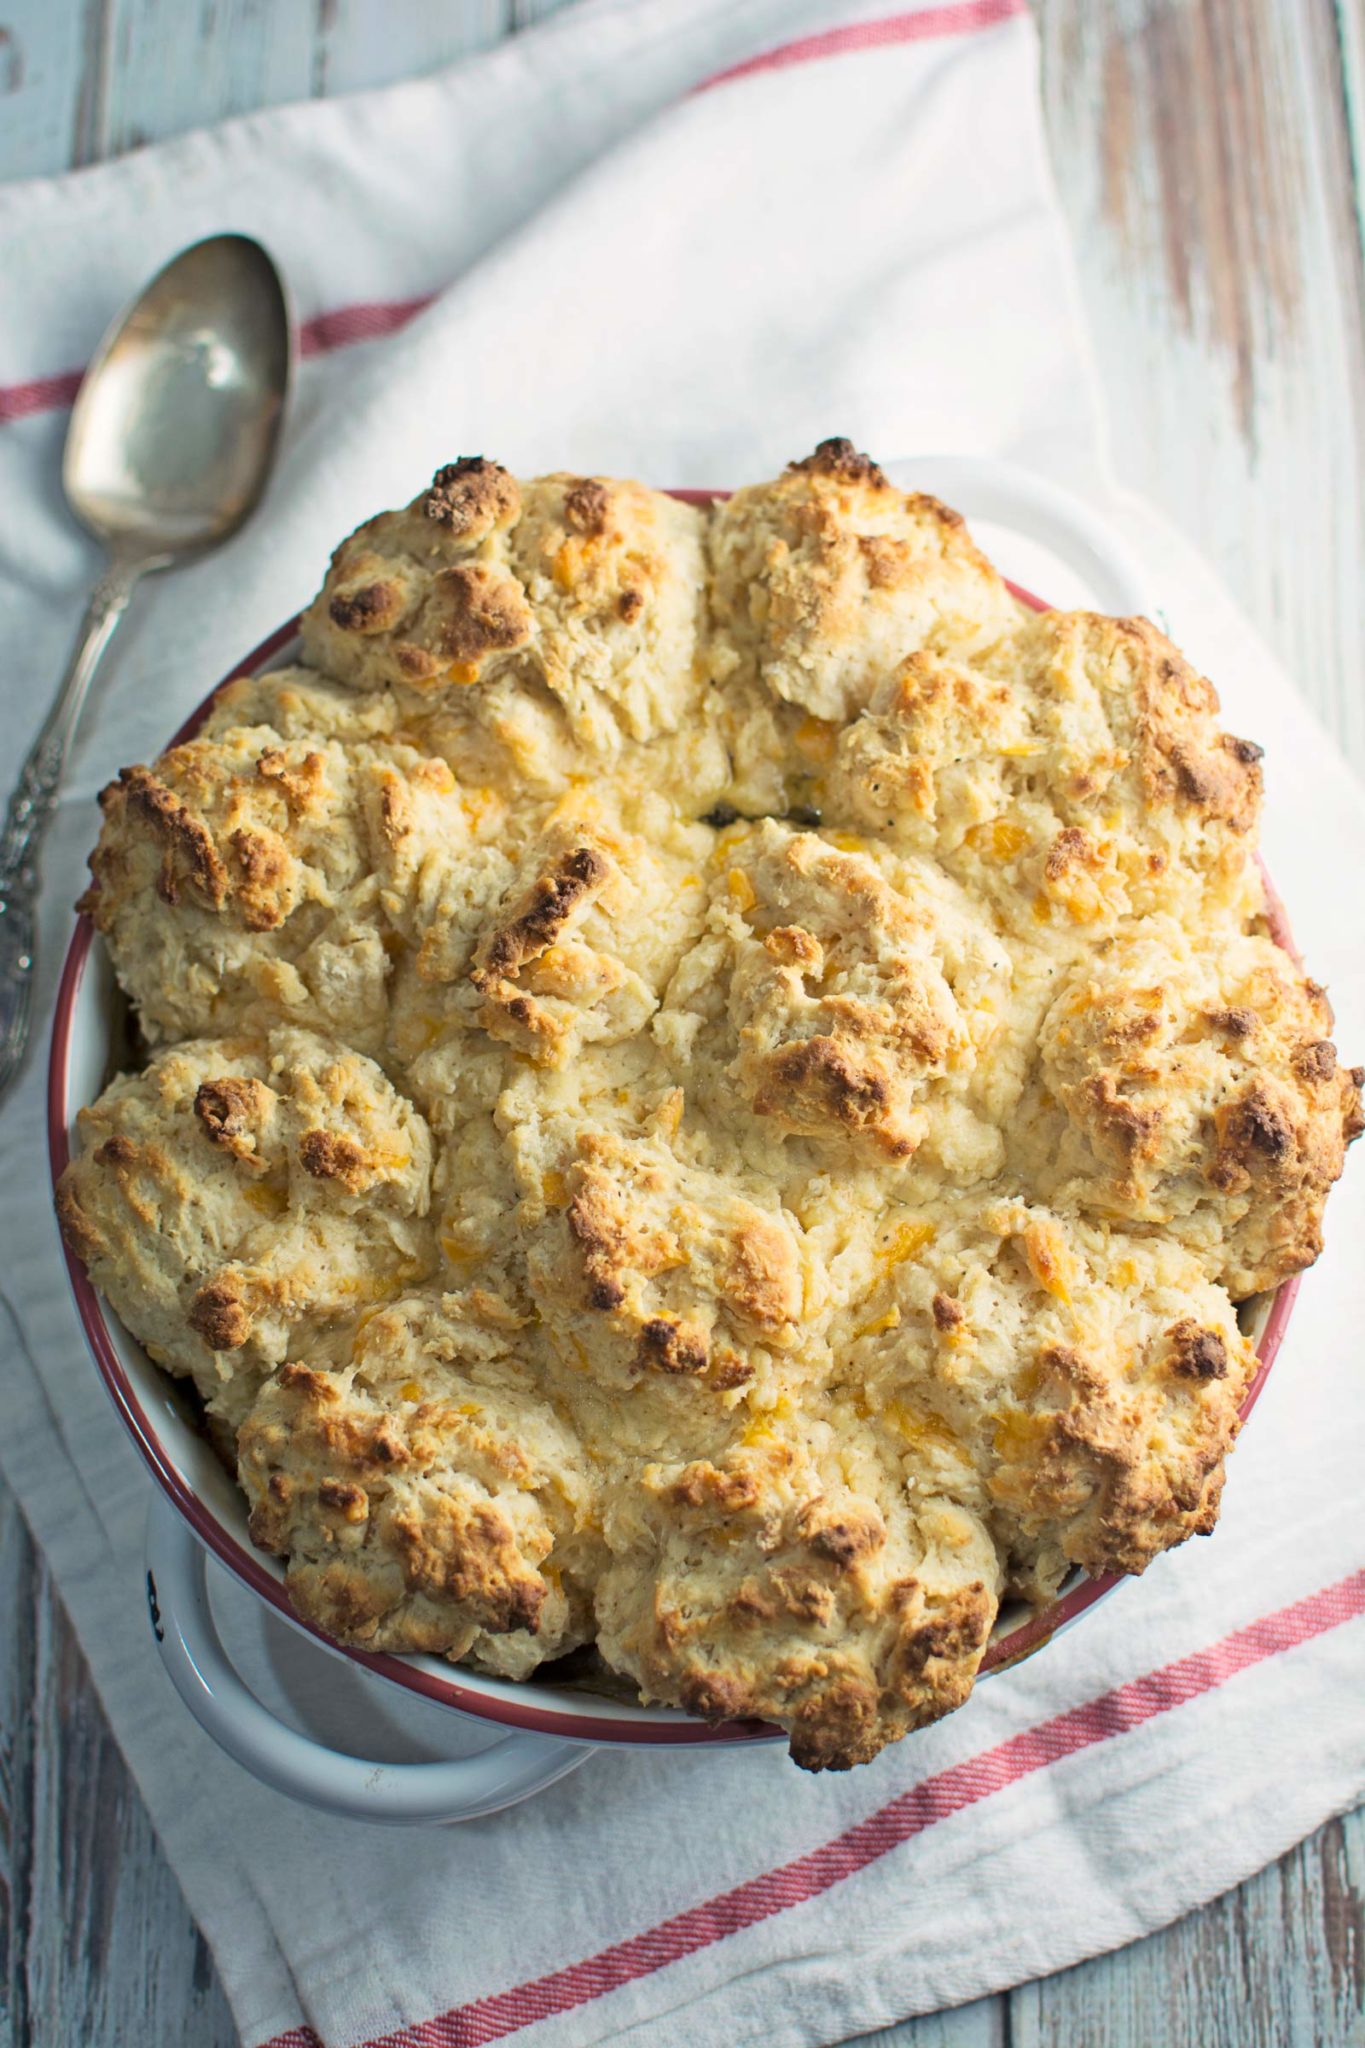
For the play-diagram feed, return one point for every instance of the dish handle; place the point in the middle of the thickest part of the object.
(397, 1795)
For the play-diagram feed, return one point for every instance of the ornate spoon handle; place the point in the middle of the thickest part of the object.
(30, 811)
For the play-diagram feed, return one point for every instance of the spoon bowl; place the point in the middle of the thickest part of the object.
(174, 427)
(172, 437)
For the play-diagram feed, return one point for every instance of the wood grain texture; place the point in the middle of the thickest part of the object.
(42, 66)
(363, 43)
(1209, 157)
(81, 80)
(1206, 153)
(97, 1949)
(1277, 1963)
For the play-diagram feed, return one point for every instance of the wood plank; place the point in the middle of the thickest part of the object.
(363, 43)
(49, 65)
(1278, 1963)
(1203, 157)
(16, 1774)
(526, 13)
(97, 1946)
(169, 69)
(178, 64)
(87, 80)
(1350, 27)
(1207, 159)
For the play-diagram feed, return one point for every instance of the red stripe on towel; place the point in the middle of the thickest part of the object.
(40, 394)
(922, 25)
(372, 319)
(366, 322)
(937, 1799)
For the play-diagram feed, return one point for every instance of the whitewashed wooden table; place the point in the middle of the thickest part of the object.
(1211, 160)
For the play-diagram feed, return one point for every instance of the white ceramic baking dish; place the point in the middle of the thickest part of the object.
(196, 1509)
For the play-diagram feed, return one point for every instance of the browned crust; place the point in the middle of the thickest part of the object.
(1255, 1134)
(1196, 1353)
(330, 1155)
(1267, 1144)
(598, 1226)
(761, 1281)
(777, 1586)
(791, 945)
(373, 608)
(885, 559)
(483, 612)
(307, 1381)
(1316, 1061)
(844, 1539)
(839, 1728)
(839, 458)
(418, 664)
(707, 1486)
(1220, 775)
(472, 496)
(935, 1658)
(715, 1696)
(1080, 1460)
(189, 856)
(1071, 848)
(1353, 1116)
(232, 1111)
(947, 1313)
(262, 863)
(667, 1344)
(346, 1529)
(77, 1229)
(348, 1500)
(614, 1242)
(220, 1312)
(813, 1082)
(468, 1553)
(1132, 1128)
(586, 505)
(302, 783)
(540, 916)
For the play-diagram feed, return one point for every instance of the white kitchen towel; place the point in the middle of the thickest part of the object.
(635, 265)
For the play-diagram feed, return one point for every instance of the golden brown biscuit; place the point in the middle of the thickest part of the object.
(613, 574)
(854, 997)
(1075, 776)
(240, 1199)
(546, 946)
(234, 885)
(1195, 1090)
(423, 598)
(822, 581)
(585, 593)
(835, 1083)
(1076, 1387)
(645, 1265)
(763, 1586)
(423, 1494)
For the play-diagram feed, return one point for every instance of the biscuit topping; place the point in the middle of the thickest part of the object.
(714, 1087)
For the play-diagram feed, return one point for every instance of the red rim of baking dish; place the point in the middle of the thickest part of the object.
(550, 1720)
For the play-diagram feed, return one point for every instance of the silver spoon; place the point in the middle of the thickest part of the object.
(171, 440)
